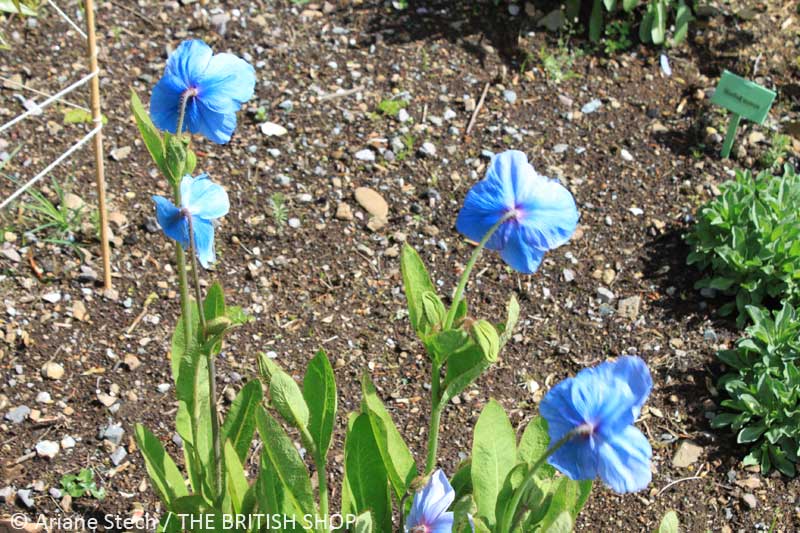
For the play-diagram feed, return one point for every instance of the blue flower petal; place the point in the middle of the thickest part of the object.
(214, 126)
(624, 461)
(204, 241)
(203, 198)
(228, 82)
(443, 524)
(172, 223)
(431, 502)
(518, 253)
(484, 205)
(189, 61)
(548, 211)
(576, 459)
(634, 372)
(165, 103)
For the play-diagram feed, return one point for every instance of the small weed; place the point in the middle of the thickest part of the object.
(408, 147)
(777, 151)
(558, 65)
(261, 114)
(278, 210)
(618, 37)
(82, 484)
(58, 223)
(391, 108)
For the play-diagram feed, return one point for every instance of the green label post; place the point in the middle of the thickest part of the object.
(744, 99)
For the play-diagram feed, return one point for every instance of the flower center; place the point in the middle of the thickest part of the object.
(191, 92)
(585, 430)
(515, 213)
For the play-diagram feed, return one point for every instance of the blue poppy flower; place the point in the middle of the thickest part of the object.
(216, 87)
(600, 406)
(542, 212)
(429, 512)
(203, 201)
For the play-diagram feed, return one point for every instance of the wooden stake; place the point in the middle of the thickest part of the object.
(97, 119)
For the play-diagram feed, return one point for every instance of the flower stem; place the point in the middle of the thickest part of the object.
(510, 514)
(180, 257)
(212, 370)
(436, 408)
(462, 283)
(433, 432)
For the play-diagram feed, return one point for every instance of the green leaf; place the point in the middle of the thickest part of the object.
(610, 4)
(397, 459)
(512, 483)
(319, 391)
(179, 346)
(433, 309)
(165, 476)
(446, 343)
(596, 21)
(214, 304)
(494, 454)
(683, 17)
(486, 337)
(646, 25)
(659, 29)
(462, 479)
(512, 317)
(237, 486)
(416, 282)
(150, 135)
(628, 5)
(363, 523)
(14, 6)
(366, 474)
(76, 115)
(533, 445)
(751, 433)
(562, 524)
(175, 157)
(285, 465)
(195, 511)
(669, 524)
(287, 399)
(240, 423)
(463, 370)
(191, 161)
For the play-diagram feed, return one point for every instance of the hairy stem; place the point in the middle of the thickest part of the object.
(462, 282)
(180, 257)
(212, 370)
(509, 518)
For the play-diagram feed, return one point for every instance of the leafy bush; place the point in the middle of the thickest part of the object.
(764, 389)
(749, 238)
(655, 18)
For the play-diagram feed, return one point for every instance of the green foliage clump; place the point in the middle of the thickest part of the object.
(748, 238)
(764, 389)
(81, 484)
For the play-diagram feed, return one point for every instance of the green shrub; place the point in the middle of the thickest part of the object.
(749, 240)
(656, 17)
(764, 390)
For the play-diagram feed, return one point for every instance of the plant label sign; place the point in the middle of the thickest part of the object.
(743, 98)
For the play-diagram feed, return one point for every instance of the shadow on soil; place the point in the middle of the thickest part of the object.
(468, 23)
(665, 264)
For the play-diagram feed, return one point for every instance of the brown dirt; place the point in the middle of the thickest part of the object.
(335, 284)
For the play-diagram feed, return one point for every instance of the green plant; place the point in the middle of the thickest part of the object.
(557, 65)
(618, 37)
(278, 210)
(764, 389)
(654, 21)
(408, 147)
(57, 222)
(81, 484)
(777, 151)
(748, 239)
(391, 107)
